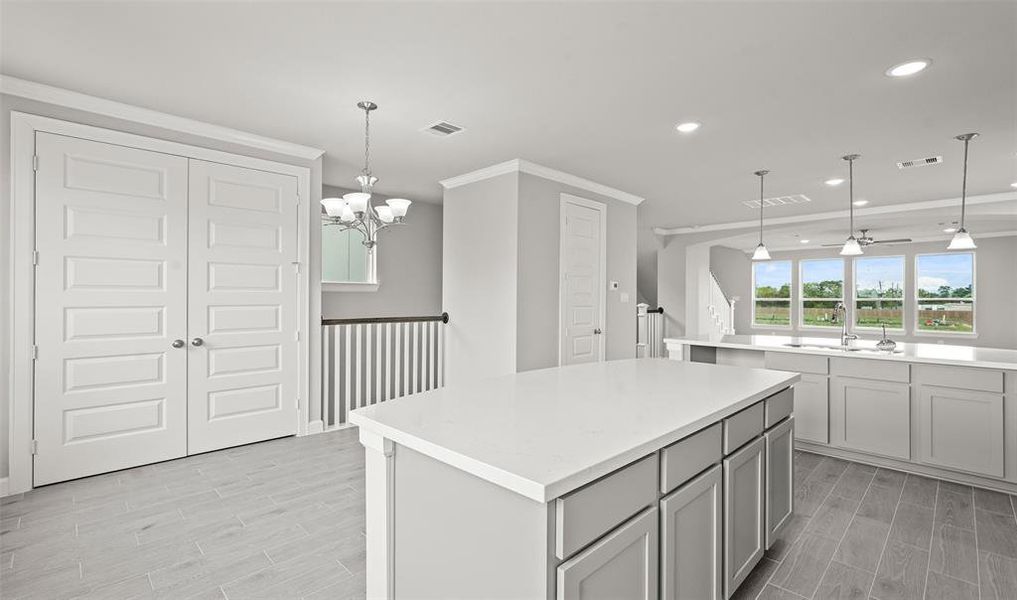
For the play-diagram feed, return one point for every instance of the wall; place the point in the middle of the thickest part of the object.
(409, 269)
(995, 289)
(11, 103)
(539, 247)
(479, 267)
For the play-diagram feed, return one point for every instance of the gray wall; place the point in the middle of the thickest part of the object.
(539, 242)
(11, 103)
(479, 275)
(995, 288)
(409, 269)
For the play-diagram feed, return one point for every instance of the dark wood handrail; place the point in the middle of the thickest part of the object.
(443, 317)
(659, 309)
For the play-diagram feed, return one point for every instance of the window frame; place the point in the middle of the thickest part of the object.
(801, 292)
(974, 303)
(329, 285)
(903, 299)
(789, 299)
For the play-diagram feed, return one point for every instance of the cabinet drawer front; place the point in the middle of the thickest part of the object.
(591, 511)
(961, 429)
(622, 565)
(880, 370)
(799, 363)
(778, 407)
(691, 524)
(682, 460)
(984, 380)
(741, 427)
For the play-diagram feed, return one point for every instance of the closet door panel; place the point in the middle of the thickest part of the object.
(111, 297)
(242, 315)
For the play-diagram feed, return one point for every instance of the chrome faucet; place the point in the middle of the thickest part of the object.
(840, 311)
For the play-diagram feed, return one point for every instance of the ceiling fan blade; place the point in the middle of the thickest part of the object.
(831, 245)
(891, 241)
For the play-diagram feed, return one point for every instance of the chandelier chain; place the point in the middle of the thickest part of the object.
(367, 142)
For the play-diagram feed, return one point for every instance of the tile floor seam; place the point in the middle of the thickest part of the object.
(978, 558)
(844, 535)
(886, 542)
(932, 539)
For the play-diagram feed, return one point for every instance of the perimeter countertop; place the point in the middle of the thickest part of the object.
(545, 433)
(937, 354)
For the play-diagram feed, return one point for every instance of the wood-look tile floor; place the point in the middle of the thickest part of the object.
(285, 519)
(280, 519)
(860, 532)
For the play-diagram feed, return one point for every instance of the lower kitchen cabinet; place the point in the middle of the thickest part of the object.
(623, 564)
(961, 429)
(691, 525)
(779, 477)
(744, 494)
(871, 415)
(812, 408)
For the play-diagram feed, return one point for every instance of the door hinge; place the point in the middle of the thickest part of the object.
(296, 335)
(296, 266)
(35, 352)
(35, 257)
(35, 447)
(35, 162)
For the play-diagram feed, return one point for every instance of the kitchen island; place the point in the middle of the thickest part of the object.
(582, 481)
(940, 410)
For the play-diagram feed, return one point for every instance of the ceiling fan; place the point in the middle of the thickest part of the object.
(865, 240)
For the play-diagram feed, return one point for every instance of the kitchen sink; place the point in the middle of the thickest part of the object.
(842, 348)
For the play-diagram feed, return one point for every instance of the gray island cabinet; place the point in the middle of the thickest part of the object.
(633, 479)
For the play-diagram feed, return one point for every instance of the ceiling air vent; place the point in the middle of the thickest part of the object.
(779, 201)
(443, 128)
(920, 162)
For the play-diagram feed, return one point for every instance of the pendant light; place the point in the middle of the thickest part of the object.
(962, 239)
(851, 245)
(761, 252)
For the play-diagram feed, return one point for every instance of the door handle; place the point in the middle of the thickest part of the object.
(177, 343)
(597, 331)
(197, 342)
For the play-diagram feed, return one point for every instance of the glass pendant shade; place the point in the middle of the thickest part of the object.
(347, 215)
(357, 201)
(851, 247)
(761, 253)
(962, 241)
(384, 213)
(399, 206)
(333, 206)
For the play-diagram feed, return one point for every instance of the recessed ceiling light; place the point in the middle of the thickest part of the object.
(834, 181)
(909, 68)
(860, 202)
(1014, 184)
(688, 127)
(950, 230)
(804, 241)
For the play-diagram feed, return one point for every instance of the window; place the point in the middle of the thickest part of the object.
(945, 286)
(822, 288)
(344, 257)
(771, 294)
(879, 292)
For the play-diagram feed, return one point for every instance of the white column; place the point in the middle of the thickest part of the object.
(380, 512)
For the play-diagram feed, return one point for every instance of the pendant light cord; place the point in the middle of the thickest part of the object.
(761, 176)
(851, 196)
(964, 182)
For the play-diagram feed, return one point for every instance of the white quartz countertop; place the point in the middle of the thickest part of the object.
(936, 354)
(545, 433)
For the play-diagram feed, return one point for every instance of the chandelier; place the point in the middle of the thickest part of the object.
(354, 210)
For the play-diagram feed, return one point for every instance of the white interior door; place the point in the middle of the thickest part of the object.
(111, 290)
(582, 285)
(242, 306)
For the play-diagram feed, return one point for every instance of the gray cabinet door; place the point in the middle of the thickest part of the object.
(779, 477)
(812, 409)
(691, 523)
(871, 416)
(744, 495)
(620, 566)
(961, 429)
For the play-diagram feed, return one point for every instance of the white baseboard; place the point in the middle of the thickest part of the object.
(315, 427)
(5, 486)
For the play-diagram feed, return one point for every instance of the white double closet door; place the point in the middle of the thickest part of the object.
(166, 307)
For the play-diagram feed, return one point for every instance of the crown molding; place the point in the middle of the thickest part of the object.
(22, 88)
(838, 214)
(519, 165)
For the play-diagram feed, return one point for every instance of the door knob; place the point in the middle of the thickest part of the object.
(597, 331)
(197, 342)
(178, 343)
